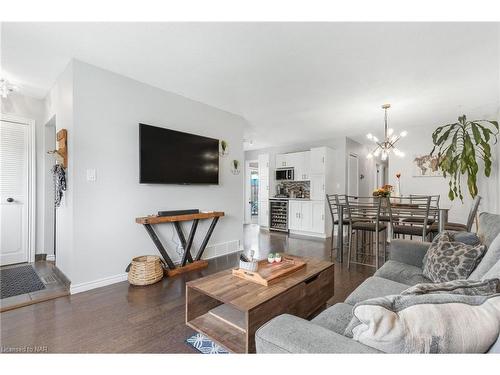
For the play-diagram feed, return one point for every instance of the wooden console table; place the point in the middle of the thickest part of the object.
(194, 262)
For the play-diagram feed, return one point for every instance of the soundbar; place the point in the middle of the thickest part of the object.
(178, 212)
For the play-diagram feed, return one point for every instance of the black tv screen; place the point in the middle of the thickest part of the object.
(172, 157)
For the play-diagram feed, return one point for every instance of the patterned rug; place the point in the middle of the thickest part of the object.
(19, 280)
(204, 345)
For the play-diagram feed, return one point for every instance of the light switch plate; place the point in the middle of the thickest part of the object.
(91, 175)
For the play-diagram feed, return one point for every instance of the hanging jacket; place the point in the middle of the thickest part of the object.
(59, 177)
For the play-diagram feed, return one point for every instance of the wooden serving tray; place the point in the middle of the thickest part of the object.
(270, 273)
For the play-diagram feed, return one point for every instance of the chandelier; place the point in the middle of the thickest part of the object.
(387, 145)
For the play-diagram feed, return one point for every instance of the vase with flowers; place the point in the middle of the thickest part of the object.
(384, 191)
(398, 182)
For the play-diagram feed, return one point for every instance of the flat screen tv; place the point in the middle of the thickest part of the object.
(172, 157)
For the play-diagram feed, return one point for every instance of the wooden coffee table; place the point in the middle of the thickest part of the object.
(229, 310)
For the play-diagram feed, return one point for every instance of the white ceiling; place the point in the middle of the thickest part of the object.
(293, 82)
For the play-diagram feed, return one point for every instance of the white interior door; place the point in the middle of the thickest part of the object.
(14, 192)
(353, 175)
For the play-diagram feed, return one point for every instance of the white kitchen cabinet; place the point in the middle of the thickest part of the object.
(281, 160)
(318, 160)
(300, 215)
(301, 165)
(294, 212)
(318, 216)
(317, 191)
(264, 213)
(306, 220)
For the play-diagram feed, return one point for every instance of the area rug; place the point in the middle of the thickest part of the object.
(204, 345)
(19, 280)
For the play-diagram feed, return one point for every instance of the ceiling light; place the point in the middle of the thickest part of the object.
(390, 139)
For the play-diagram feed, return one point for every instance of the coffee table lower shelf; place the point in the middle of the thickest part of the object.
(223, 332)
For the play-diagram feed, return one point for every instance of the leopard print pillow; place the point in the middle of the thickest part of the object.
(448, 260)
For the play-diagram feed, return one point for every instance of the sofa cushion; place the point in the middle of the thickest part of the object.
(374, 287)
(465, 287)
(335, 318)
(449, 260)
(489, 227)
(402, 273)
(428, 323)
(491, 257)
(493, 273)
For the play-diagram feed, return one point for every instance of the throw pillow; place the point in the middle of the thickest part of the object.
(465, 287)
(447, 260)
(489, 259)
(467, 238)
(429, 323)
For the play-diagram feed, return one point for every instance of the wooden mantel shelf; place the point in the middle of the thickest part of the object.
(154, 219)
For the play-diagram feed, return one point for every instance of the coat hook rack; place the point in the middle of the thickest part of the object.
(62, 147)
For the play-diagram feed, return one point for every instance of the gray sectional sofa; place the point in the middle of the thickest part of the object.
(324, 333)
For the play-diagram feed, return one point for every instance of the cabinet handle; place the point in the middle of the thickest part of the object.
(323, 160)
(323, 187)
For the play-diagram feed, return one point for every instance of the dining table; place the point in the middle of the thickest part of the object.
(441, 213)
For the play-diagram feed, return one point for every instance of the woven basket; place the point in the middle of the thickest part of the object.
(145, 270)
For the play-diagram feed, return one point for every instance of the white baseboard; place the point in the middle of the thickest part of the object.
(82, 287)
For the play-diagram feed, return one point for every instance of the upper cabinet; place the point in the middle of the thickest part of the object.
(299, 161)
(318, 160)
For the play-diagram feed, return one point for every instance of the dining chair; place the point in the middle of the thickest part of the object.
(434, 205)
(364, 219)
(414, 208)
(334, 200)
(458, 227)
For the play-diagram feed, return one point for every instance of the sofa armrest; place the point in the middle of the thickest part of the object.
(290, 334)
(408, 252)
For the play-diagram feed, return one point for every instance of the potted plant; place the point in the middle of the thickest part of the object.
(223, 147)
(235, 167)
(459, 146)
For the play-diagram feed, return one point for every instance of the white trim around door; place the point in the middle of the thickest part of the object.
(31, 178)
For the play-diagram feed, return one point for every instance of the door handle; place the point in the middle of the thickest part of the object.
(10, 200)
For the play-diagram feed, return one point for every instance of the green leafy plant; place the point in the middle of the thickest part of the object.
(459, 146)
(236, 164)
(223, 146)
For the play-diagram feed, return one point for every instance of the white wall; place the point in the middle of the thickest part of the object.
(59, 108)
(104, 136)
(33, 109)
(419, 142)
(366, 166)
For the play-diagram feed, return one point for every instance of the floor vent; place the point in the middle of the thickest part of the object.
(49, 279)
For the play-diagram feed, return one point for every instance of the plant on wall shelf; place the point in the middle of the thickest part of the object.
(459, 147)
(235, 167)
(223, 147)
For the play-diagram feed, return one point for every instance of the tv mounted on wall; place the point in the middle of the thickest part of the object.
(172, 157)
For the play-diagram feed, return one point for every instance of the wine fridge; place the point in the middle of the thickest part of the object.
(279, 215)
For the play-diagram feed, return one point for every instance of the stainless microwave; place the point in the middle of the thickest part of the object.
(284, 174)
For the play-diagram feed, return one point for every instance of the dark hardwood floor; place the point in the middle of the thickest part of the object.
(124, 319)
